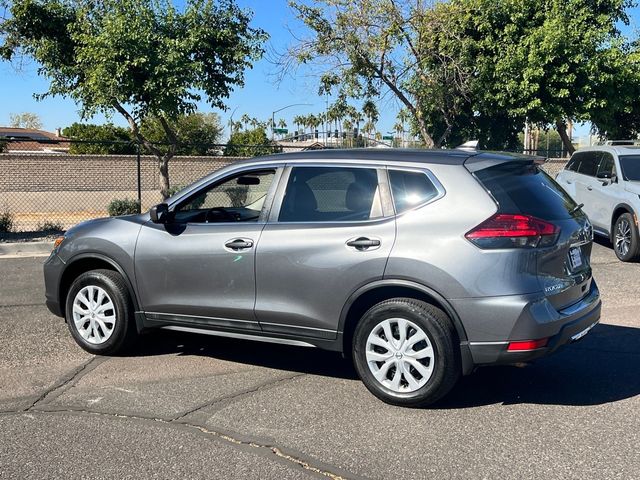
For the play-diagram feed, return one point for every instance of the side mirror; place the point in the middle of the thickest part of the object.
(604, 175)
(159, 213)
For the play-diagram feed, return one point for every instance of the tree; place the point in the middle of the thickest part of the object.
(99, 139)
(198, 132)
(143, 59)
(364, 48)
(548, 65)
(25, 120)
(249, 143)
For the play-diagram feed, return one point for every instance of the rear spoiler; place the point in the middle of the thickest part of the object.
(490, 159)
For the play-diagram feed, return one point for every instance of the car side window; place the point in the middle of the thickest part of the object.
(574, 162)
(589, 163)
(239, 198)
(331, 194)
(410, 189)
(606, 165)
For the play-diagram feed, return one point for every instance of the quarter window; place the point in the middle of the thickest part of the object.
(410, 189)
(331, 194)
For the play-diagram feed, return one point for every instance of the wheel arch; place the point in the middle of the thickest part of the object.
(85, 262)
(617, 211)
(368, 295)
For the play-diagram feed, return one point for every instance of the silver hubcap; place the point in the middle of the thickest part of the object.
(623, 237)
(94, 314)
(400, 355)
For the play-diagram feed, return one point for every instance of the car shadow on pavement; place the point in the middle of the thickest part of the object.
(603, 367)
(269, 355)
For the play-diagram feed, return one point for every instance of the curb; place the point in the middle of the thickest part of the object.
(26, 249)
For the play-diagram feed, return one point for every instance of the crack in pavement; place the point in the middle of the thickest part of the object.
(315, 467)
(66, 382)
(230, 398)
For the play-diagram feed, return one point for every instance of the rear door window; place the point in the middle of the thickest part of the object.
(523, 188)
(606, 165)
(331, 194)
(588, 163)
(411, 189)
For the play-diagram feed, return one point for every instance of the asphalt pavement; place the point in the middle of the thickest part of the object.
(187, 406)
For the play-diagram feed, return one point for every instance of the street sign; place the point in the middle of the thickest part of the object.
(387, 137)
(280, 131)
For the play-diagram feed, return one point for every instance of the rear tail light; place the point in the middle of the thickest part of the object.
(524, 345)
(505, 230)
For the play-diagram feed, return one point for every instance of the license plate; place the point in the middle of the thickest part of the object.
(575, 257)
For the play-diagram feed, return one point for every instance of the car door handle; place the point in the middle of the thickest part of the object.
(239, 244)
(589, 187)
(363, 243)
(569, 182)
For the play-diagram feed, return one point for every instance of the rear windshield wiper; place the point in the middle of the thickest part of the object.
(578, 207)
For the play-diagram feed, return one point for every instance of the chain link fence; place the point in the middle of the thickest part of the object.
(51, 185)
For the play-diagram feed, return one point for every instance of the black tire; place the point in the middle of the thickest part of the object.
(626, 223)
(124, 329)
(441, 335)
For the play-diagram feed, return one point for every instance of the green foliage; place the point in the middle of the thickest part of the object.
(25, 120)
(123, 207)
(6, 221)
(249, 143)
(49, 226)
(563, 61)
(196, 132)
(145, 55)
(477, 69)
(109, 139)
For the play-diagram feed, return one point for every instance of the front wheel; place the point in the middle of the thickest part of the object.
(626, 243)
(99, 312)
(405, 352)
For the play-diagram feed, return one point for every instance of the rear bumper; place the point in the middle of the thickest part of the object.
(563, 327)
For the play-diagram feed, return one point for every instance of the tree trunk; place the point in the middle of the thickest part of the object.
(163, 167)
(566, 141)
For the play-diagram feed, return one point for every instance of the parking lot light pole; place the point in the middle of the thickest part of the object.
(273, 115)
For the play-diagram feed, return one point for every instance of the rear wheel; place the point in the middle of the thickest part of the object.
(99, 312)
(625, 238)
(405, 352)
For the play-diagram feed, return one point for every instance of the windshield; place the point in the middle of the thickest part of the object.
(630, 165)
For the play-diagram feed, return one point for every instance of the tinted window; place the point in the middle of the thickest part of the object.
(606, 164)
(524, 188)
(573, 163)
(630, 165)
(238, 198)
(588, 163)
(410, 189)
(331, 194)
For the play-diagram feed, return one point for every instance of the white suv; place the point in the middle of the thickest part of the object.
(606, 180)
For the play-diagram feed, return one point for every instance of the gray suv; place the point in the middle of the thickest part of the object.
(606, 181)
(421, 265)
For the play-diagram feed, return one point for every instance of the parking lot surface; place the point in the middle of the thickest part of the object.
(186, 406)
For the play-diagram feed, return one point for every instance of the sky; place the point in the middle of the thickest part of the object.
(261, 95)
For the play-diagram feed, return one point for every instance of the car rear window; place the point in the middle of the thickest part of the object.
(524, 188)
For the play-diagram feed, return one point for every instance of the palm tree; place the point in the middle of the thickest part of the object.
(245, 120)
